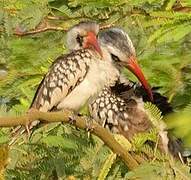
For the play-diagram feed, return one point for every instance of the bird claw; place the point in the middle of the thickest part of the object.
(28, 126)
(28, 130)
(89, 122)
(72, 119)
(89, 127)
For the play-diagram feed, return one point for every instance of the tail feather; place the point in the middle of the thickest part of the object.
(159, 100)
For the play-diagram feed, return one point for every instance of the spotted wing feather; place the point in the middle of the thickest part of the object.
(64, 75)
(120, 109)
(124, 116)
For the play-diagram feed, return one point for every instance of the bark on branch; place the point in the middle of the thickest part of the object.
(63, 116)
(42, 27)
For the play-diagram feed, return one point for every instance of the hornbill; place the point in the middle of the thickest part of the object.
(120, 108)
(75, 77)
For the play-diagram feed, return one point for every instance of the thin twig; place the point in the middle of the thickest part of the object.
(39, 29)
(48, 27)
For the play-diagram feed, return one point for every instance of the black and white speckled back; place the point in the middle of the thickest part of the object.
(120, 108)
(120, 113)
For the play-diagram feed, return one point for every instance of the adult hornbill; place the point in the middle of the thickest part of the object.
(75, 77)
(120, 108)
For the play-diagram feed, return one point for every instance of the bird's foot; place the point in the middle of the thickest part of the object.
(72, 119)
(89, 124)
(30, 125)
(27, 130)
(89, 127)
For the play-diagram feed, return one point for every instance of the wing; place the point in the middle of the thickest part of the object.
(64, 75)
(121, 110)
(126, 117)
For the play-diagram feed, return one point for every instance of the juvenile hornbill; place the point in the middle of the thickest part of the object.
(120, 108)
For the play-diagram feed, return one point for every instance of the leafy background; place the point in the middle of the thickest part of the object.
(161, 33)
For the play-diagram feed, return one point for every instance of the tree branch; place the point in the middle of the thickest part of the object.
(63, 116)
(35, 31)
(46, 26)
(42, 27)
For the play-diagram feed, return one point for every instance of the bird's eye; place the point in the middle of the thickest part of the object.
(115, 58)
(79, 39)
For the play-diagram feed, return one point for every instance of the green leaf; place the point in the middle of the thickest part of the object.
(65, 10)
(154, 113)
(3, 139)
(176, 34)
(107, 166)
(170, 4)
(59, 141)
(123, 141)
(150, 171)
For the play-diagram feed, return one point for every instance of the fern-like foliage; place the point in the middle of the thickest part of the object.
(159, 171)
(179, 123)
(160, 31)
(55, 150)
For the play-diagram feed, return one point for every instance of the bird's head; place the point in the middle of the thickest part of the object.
(84, 35)
(122, 53)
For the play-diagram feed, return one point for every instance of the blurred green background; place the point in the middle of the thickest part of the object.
(159, 29)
